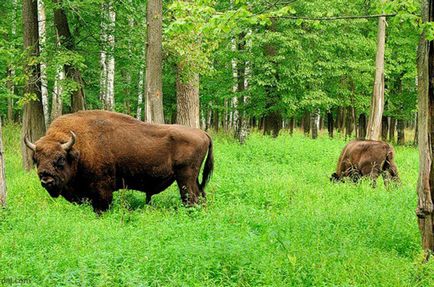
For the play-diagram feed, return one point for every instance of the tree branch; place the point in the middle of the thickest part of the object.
(336, 17)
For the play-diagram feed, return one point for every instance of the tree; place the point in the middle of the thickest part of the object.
(33, 115)
(377, 103)
(154, 68)
(72, 72)
(425, 187)
(3, 189)
(43, 64)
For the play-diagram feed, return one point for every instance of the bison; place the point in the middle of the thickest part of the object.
(366, 158)
(86, 156)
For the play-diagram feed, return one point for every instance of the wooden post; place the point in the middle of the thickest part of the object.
(2, 171)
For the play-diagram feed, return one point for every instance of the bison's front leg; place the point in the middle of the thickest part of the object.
(101, 200)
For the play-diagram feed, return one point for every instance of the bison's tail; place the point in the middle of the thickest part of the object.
(209, 165)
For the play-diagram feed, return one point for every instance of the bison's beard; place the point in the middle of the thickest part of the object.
(53, 191)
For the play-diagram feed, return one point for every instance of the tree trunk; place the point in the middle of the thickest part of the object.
(67, 40)
(425, 187)
(384, 128)
(242, 71)
(3, 189)
(103, 56)
(377, 103)
(349, 122)
(215, 120)
(140, 94)
(154, 67)
(43, 65)
(362, 127)
(315, 123)
(11, 69)
(33, 115)
(11, 87)
(401, 134)
(57, 103)
(110, 103)
(291, 125)
(341, 119)
(187, 97)
(306, 123)
(392, 128)
(330, 124)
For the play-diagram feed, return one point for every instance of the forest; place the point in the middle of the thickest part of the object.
(280, 86)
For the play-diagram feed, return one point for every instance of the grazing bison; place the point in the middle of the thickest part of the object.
(88, 155)
(366, 158)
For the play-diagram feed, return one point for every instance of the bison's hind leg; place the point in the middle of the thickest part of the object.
(187, 180)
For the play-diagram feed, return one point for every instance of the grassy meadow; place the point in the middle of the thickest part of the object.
(272, 219)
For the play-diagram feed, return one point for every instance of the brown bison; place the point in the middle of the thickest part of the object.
(366, 158)
(88, 155)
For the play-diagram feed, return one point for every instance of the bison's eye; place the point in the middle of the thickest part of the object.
(60, 162)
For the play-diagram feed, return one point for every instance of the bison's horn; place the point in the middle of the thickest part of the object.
(30, 145)
(68, 145)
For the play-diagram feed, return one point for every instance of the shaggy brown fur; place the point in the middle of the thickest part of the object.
(112, 151)
(366, 158)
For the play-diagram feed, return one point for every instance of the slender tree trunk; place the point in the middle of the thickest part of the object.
(401, 134)
(306, 123)
(215, 120)
(377, 103)
(392, 128)
(140, 94)
(154, 68)
(384, 128)
(111, 56)
(425, 187)
(291, 125)
(315, 123)
(362, 127)
(43, 65)
(33, 115)
(71, 72)
(330, 124)
(11, 87)
(3, 190)
(11, 69)
(187, 97)
(349, 122)
(57, 102)
(103, 56)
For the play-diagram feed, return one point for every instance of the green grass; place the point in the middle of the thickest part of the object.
(272, 219)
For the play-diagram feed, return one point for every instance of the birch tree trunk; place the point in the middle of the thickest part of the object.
(3, 190)
(43, 65)
(56, 98)
(154, 68)
(33, 115)
(111, 57)
(425, 190)
(103, 56)
(377, 102)
(140, 94)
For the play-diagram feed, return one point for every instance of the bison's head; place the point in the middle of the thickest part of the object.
(56, 162)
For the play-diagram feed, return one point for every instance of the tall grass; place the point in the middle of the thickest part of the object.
(272, 218)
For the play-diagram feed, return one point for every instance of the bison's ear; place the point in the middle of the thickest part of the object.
(73, 155)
